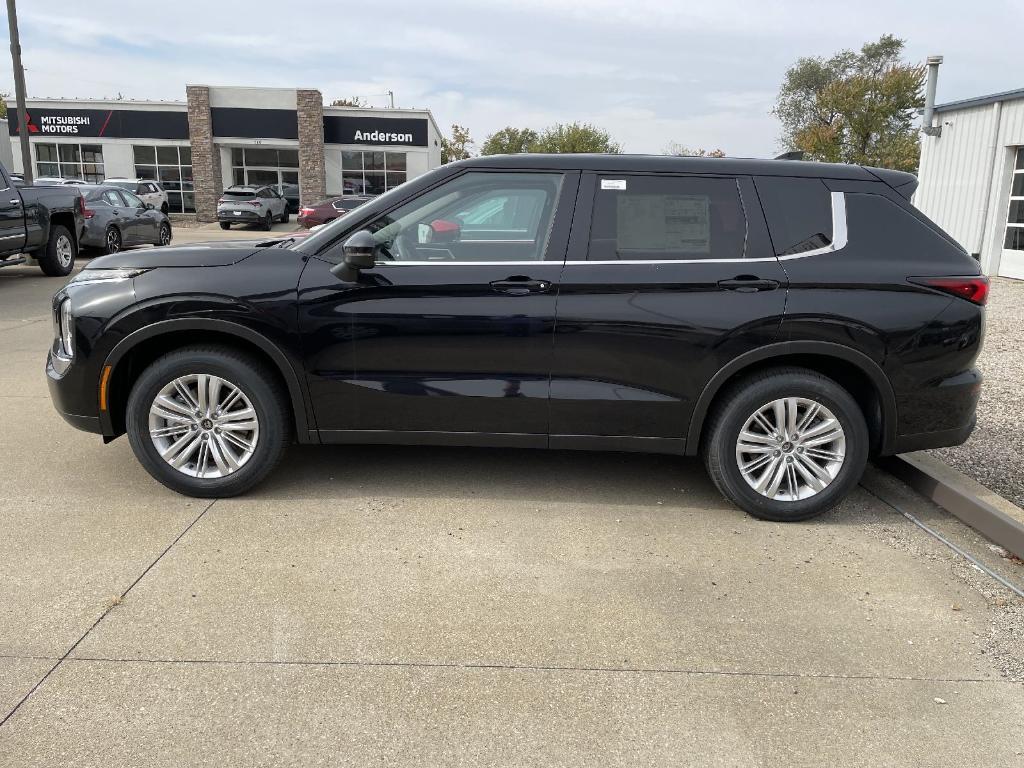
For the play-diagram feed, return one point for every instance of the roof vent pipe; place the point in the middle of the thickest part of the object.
(929, 97)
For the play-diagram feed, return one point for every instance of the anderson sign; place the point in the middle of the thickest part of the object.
(379, 131)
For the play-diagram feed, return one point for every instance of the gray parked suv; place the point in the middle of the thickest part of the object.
(115, 219)
(251, 205)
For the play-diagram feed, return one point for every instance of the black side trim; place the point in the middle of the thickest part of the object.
(821, 348)
(398, 437)
(297, 391)
(671, 445)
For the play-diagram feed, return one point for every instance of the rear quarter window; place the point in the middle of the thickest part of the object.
(880, 226)
(798, 212)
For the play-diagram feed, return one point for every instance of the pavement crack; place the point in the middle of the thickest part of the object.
(538, 668)
(103, 615)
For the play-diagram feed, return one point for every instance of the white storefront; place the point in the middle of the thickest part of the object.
(972, 178)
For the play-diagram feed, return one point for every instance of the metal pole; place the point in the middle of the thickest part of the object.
(929, 97)
(19, 92)
(392, 95)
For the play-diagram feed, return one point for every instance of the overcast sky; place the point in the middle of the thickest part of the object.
(699, 72)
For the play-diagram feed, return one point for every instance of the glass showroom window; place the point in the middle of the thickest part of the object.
(70, 161)
(1015, 217)
(172, 167)
(261, 165)
(370, 173)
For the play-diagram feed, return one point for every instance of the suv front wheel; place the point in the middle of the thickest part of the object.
(786, 444)
(208, 421)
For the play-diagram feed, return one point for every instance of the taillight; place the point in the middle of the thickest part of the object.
(305, 212)
(255, 203)
(87, 213)
(974, 289)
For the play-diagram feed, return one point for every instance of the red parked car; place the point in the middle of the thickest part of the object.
(329, 209)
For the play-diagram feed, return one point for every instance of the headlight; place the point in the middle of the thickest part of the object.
(66, 328)
(104, 275)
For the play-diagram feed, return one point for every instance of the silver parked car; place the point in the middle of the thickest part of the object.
(115, 219)
(251, 205)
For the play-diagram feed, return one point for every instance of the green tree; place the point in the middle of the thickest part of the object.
(351, 101)
(575, 137)
(509, 141)
(855, 107)
(3, 105)
(458, 146)
(677, 149)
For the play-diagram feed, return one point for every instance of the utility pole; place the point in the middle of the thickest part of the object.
(390, 93)
(19, 92)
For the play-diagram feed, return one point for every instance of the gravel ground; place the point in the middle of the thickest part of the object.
(994, 456)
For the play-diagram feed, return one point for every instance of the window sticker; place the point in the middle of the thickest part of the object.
(665, 223)
(613, 184)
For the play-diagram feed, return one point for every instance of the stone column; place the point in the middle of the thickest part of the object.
(309, 106)
(205, 154)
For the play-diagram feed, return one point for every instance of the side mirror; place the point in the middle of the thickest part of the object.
(150, 207)
(360, 253)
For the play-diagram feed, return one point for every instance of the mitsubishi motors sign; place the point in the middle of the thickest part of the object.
(100, 123)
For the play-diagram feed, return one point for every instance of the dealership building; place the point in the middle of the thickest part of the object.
(221, 136)
(972, 178)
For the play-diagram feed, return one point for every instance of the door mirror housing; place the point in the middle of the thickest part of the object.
(360, 253)
(150, 207)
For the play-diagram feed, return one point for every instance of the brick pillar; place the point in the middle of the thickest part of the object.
(205, 154)
(312, 174)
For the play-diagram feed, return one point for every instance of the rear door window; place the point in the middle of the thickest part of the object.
(671, 218)
(798, 211)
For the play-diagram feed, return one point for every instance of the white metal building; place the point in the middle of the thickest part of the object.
(972, 178)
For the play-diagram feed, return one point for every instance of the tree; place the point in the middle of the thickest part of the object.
(677, 149)
(575, 137)
(509, 141)
(3, 105)
(856, 107)
(351, 101)
(458, 146)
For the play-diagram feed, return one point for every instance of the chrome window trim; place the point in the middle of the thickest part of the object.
(840, 235)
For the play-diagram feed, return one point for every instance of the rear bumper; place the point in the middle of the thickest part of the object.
(948, 405)
(242, 217)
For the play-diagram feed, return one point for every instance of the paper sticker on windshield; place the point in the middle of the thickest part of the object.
(613, 183)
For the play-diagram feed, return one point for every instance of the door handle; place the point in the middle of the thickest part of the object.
(520, 285)
(14, 201)
(748, 284)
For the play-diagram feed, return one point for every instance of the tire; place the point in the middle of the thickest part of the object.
(268, 222)
(259, 389)
(164, 208)
(112, 241)
(58, 257)
(285, 216)
(165, 234)
(735, 411)
(225, 225)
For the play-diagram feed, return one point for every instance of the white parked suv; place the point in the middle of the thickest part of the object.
(150, 191)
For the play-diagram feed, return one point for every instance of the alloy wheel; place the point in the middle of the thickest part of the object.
(65, 251)
(791, 449)
(203, 426)
(113, 241)
(165, 235)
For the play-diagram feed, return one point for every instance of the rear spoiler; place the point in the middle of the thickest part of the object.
(902, 182)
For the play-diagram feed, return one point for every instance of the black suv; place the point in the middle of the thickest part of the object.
(784, 320)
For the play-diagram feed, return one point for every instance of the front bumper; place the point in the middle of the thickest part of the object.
(63, 389)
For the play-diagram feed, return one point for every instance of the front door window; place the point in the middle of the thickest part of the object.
(477, 217)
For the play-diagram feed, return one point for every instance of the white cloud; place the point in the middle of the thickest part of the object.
(649, 71)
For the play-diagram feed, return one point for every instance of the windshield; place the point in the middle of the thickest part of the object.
(129, 185)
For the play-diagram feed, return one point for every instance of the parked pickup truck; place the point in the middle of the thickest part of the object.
(40, 225)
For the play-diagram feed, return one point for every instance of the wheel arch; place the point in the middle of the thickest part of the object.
(137, 350)
(853, 370)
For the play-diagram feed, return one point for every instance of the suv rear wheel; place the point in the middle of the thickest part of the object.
(208, 421)
(786, 444)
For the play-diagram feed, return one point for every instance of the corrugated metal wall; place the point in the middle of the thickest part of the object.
(955, 172)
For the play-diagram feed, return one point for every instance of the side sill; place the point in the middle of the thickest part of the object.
(671, 445)
(396, 437)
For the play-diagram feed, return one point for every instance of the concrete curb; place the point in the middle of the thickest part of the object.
(987, 512)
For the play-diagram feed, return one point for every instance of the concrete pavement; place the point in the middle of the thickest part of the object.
(401, 606)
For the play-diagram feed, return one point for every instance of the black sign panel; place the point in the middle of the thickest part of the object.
(247, 123)
(103, 123)
(408, 131)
